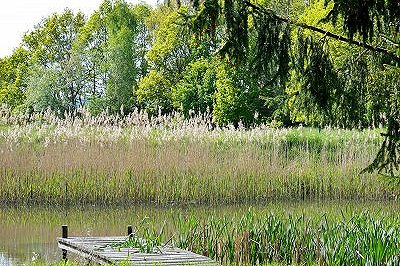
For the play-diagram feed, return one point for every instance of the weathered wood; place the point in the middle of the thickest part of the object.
(87, 255)
(102, 250)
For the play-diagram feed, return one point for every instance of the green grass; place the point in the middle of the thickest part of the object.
(258, 239)
(111, 160)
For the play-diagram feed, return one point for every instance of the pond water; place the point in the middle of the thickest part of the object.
(29, 233)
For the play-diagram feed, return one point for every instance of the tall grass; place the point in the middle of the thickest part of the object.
(360, 239)
(119, 160)
(260, 239)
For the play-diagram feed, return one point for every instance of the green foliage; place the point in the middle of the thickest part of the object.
(181, 75)
(170, 52)
(205, 22)
(113, 41)
(276, 69)
(97, 63)
(196, 89)
(366, 17)
(121, 28)
(270, 64)
(318, 79)
(13, 78)
(237, 38)
(45, 90)
(91, 45)
(387, 161)
(11, 96)
(55, 76)
(154, 93)
(233, 96)
(50, 43)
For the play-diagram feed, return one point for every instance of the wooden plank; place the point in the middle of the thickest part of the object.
(84, 253)
(183, 262)
(113, 251)
(152, 257)
(101, 250)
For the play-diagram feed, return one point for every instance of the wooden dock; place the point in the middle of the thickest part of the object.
(104, 250)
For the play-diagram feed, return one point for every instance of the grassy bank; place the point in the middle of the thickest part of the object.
(112, 160)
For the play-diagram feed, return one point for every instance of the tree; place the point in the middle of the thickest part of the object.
(50, 43)
(55, 76)
(112, 46)
(46, 90)
(372, 25)
(232, 96)
(154, 93)
(13, 78)
(379, 19)
(195, 91)
(171, 60)
(91, 45)
(171, 50)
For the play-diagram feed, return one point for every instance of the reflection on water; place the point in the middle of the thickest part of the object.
(5, 260)
(30, 233)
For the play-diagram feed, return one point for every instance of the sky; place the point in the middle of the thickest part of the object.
(20, 16)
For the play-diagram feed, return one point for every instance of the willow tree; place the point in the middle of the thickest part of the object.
(55, 77)
(281, 47)
(112, 45)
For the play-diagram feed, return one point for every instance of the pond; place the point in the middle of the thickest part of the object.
(29, 233)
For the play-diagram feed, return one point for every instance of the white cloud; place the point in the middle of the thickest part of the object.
(20, 16)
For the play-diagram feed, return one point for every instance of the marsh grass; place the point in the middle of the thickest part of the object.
(259, 239)
(168, 159)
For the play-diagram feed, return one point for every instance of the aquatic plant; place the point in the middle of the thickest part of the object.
(360, 239)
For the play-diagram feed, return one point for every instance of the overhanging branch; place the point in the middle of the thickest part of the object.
(370, 47)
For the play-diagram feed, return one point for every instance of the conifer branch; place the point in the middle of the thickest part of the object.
(370, 47)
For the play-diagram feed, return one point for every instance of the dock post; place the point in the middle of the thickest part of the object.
(64, 235)
(130, 231)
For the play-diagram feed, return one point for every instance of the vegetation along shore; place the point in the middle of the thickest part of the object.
(115, 160)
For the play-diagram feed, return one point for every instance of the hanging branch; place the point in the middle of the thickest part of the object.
(264, 11)
(387, 161)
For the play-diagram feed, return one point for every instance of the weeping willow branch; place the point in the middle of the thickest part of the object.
(377, 49)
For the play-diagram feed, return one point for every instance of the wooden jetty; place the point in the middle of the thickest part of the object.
(103, 250)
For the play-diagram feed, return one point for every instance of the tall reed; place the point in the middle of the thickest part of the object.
(119, 160)
(360, 239)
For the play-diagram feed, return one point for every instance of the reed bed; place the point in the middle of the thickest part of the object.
(256, 239)
(168, 159)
